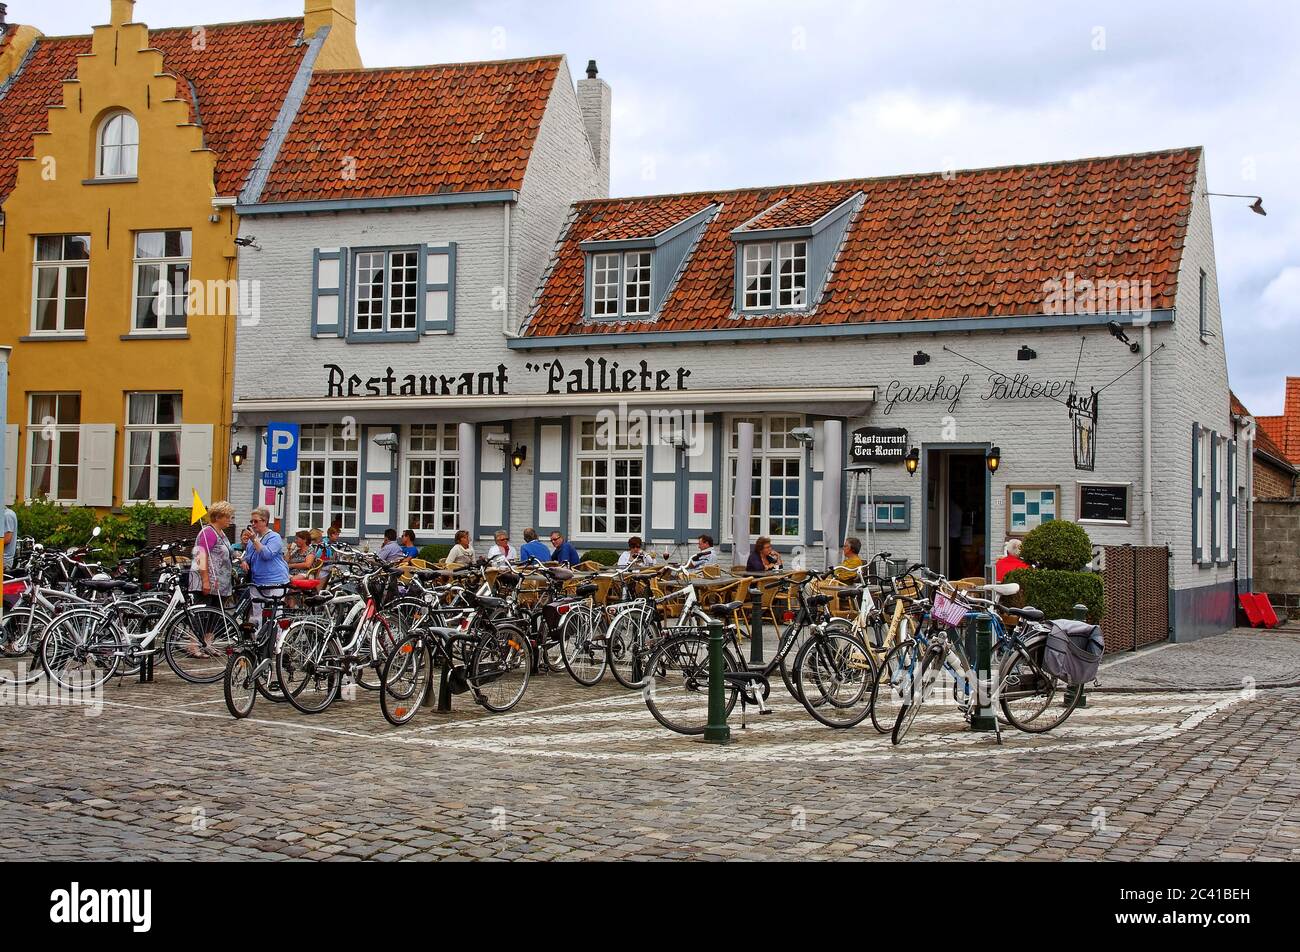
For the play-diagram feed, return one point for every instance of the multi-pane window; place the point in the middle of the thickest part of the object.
(636, 283)
(162, 275)
(792, 258)
(758, 277)
(328, 483)
(433, 478)
(153, 447)
(776, 480)
(387, 291)
(62, 274)
(54, 446)
(119, 147)
(621, 284)
(611, 483)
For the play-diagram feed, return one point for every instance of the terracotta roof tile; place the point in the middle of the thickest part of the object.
(242, 75)
(921, 247)
(796, 211)
(1284, 430)
(646, 220)
(377, 133)
(1267, 433)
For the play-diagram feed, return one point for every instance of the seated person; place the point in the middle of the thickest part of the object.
(462, 553)
(390, 551)
(1010, 561)
(408, 544)
(564, 552)
(851, 560)
(302, 557)
(534, 548)
(705, 555)
(502, 553)
(763, 558)
(635, 554)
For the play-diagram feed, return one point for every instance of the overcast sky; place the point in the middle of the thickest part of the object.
(723, 93)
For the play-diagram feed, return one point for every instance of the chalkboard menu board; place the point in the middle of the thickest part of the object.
(1100, 502)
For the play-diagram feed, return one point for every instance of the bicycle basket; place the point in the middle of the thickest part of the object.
(949, 611)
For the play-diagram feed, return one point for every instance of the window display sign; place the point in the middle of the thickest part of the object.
(874, 445)
(1028, 507)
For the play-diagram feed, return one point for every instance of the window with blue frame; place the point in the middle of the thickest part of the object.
(621, 283)
(775, 275)
(386, 291)
(379, 294)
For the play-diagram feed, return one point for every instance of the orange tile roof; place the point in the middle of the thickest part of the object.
(465, 127)
(921, 247)
(647, 220)
(1264, 441)
(797, 211)
(1284, 430)
(242, 77)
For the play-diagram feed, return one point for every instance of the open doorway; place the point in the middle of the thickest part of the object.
(957, 512)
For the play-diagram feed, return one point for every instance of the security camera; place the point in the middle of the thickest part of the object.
(389, 441)
(804, 435)
(498, 439)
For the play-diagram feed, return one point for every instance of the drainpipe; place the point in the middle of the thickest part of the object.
(1147, 495)
(506, 330)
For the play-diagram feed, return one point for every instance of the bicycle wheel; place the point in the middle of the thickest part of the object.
(1026, 691)
(197, 644)
(239, 685)
(801, 638)
(624, 643)
(918, 689)
(20, 643)
(676, 686)
(408, 678)
(584, 654)
(836, 677)
(309, 666)
(893, 684)
(81, 650)
(376, 645)
(502, 664)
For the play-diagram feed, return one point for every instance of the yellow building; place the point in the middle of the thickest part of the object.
(122, 156)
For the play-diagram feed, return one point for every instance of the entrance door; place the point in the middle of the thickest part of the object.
(957, 516)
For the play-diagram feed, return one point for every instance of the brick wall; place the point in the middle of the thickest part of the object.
(1272, 483)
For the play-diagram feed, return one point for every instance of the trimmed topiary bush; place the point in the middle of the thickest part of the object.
(435, 553)
(1055, 592)
(603, 556)
(1058, 545)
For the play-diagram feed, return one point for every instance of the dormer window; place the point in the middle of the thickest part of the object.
(791, 265)
(118, 147)
(620, 284)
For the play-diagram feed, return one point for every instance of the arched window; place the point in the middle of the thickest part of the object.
(119, 146)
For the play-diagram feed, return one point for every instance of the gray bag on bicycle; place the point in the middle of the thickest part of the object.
(1074, 651)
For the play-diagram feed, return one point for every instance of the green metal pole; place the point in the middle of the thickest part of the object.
(984, 720)
(1080, 614)
(717, 732)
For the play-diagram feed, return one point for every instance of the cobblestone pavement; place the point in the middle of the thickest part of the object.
(162, 772)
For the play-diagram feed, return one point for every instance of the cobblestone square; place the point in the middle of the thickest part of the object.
(1145, 772)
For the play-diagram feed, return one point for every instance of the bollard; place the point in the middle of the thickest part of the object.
(984, 720)
(1080, 614)
(146, 669)
(717, 732)
(444, 688)
(756, 623)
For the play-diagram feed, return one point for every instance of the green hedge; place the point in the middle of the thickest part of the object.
(122, 533)
(1058, 545)
(1056, 593)
(603, 556)
(435, 553)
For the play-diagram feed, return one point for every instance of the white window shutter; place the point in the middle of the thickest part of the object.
(438, 307)
(329, 292)
(11, 463)
(196, 462)
(98, 443)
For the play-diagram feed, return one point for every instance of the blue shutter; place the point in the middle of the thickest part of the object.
(438, 278)
(329, 292)
(1232, 500)
(1197, 490)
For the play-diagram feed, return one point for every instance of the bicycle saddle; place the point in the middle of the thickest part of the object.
(585, 591)
(1028, 614)
(849, 593)
(1005, 590)
(819, 601)
(319, 599)
(725, 611)
(560, 574)
(107, 585)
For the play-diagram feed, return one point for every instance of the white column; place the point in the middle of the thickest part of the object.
(832, 488)
(741, 501)
(467, 441)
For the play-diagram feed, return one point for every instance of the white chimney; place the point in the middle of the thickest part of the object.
(595, 99)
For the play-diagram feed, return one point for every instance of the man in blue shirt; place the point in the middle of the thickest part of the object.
(564, 552)
(9, 526)
(534, 548)
(264, 558)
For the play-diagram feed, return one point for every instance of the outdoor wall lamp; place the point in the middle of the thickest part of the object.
(912, 461)
(1117, 332)
(1027, 353)
(1257, 208)
(519, 457)
(994, 460)
(804, 436)
(239, 456)
(921, 359)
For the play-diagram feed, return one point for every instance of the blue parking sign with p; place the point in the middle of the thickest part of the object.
(282, 447)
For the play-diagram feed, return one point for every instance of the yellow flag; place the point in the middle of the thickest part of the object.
(199, 511)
